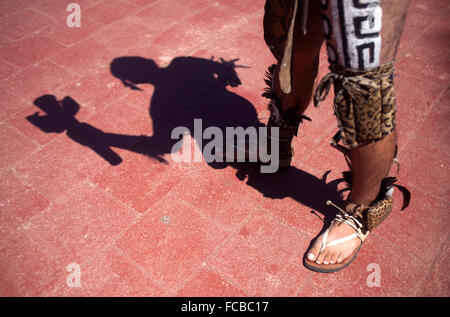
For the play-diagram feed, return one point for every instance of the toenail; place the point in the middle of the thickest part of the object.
(311, 256)
(325, 262)
(318, 262)
(331, 262)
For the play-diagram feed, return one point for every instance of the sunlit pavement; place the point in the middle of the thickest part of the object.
(93, 204)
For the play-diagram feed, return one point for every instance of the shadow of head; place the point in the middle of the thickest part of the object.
(59, 115)
(133, 70)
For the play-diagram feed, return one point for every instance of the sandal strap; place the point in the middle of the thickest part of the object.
(350, 220)
(338, 241)
(335, 242)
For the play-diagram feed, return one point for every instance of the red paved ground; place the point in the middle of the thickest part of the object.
(142, 227)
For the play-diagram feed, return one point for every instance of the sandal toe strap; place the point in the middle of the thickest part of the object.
(358, 234)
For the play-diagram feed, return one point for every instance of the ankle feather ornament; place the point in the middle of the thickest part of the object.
(373, 215)
(288, 121)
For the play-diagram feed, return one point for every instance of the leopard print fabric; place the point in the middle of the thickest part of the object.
(377, 213)
(364, 103)
(371, 216)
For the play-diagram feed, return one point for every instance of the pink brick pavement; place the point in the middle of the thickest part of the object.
(144, 225)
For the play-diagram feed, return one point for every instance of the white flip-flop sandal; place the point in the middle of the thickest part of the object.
(334, 267)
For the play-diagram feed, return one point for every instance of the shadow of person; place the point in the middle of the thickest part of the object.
(188, 88)
(195, 88)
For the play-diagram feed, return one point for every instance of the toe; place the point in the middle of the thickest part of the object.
(321, 257)
(334, 258)
(313, 252)
(328, 257)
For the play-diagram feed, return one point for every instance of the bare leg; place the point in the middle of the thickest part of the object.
(305, 62)
(297, 68)
(371, 162)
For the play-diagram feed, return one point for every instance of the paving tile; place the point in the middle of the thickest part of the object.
(428, 233)
(26, 270)
(400, 274)
(143, 3)
(409, 37)
(421, 15)
(122, 117)
(435, 128)
(22, 23)
(117, 36)
(10, 104)
(428, 64)
(111, 275)
(94, 91)
(85, 56)
(244, 7)
(314, 137)
(139, 181)
(18, 203)
(325, 160)
(214, 16)
(171, 241)
(225, 201)
(437, 283)
(292, 194)
(58, 9)
(39, 79)
(413, 104)
(4, 40)
(254, 23)
(182, 39)
(15, 146)
(208, 283)
(434, 6)
(29, 50)
(59, 166)
(108, 194)
(434, 37)
(68, 36)
(160, 16)
(424, 166)
(110, 11)
(7, 69)
(194, 5)
(256, 270)
(8, 7)
(78, 225)
(271, 235)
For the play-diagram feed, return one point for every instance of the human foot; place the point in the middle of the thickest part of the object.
(338, 245)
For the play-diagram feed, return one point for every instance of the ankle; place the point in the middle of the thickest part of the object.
(361, 199)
